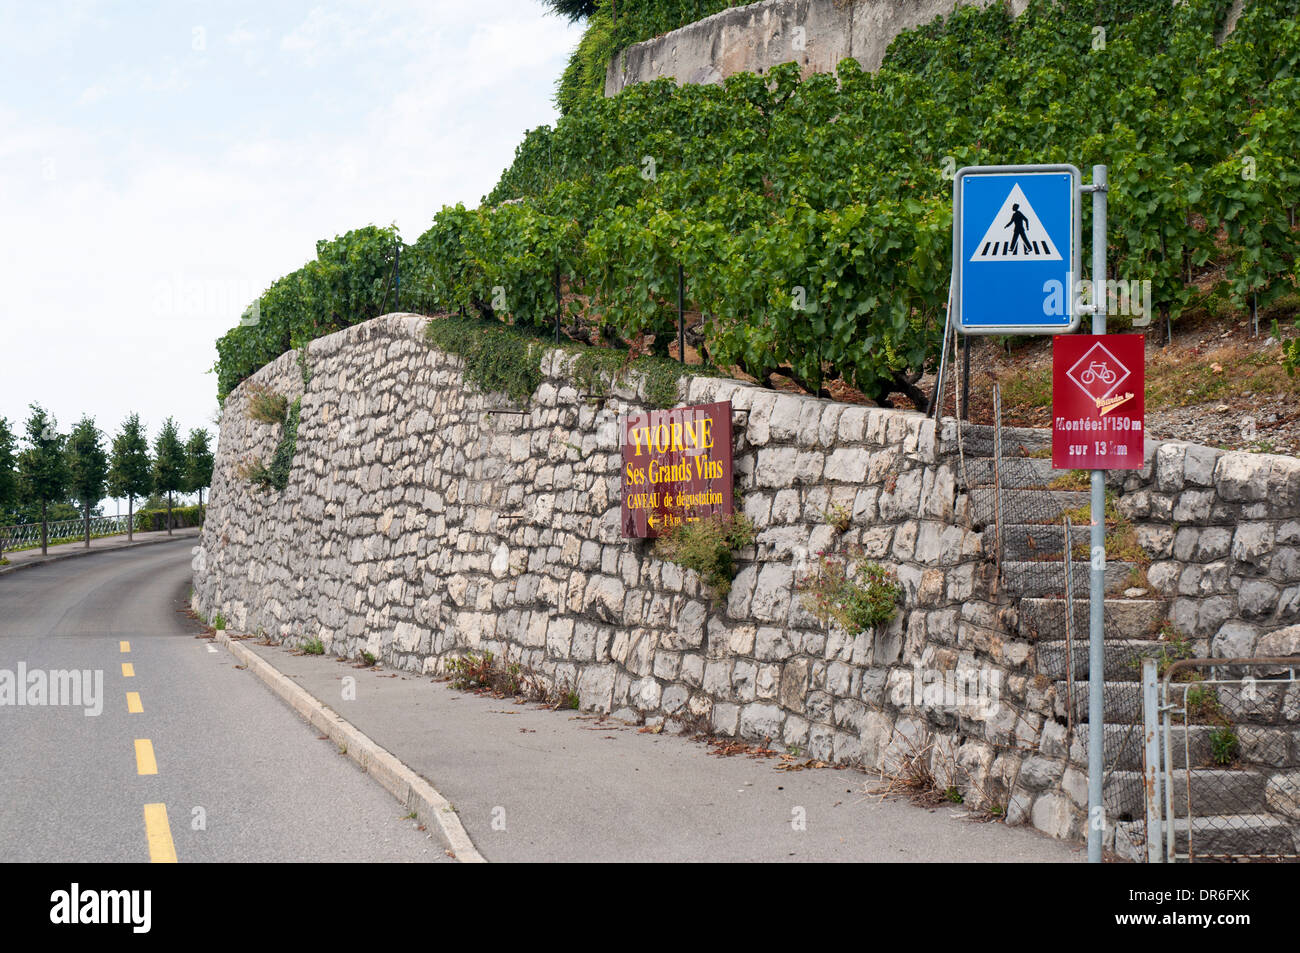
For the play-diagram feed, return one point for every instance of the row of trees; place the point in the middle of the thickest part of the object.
(49, 469)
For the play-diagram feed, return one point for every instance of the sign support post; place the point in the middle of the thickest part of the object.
(1097, 581)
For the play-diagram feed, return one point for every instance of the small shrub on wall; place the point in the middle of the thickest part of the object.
(709, 547)
(851, 591)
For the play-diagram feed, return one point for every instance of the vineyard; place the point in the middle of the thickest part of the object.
(809, 221)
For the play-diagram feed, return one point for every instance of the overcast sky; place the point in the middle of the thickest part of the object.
(162, 162)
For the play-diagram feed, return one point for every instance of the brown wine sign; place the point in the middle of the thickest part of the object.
(676, 467)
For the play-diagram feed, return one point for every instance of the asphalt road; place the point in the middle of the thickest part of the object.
(239, 776)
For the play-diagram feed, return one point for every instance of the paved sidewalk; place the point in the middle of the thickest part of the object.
(535, 785)
(32, 557)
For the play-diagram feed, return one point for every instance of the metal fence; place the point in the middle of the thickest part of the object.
(23, 535)
(1223, 760)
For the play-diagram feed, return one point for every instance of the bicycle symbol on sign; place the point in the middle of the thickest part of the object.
(1098, 370)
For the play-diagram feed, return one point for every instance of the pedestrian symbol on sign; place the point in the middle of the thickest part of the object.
(1027, 238)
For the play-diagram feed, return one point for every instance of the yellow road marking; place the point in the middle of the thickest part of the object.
(124, 646)
(144, 759)
(159, 833)
(128, 670)
(133, 705)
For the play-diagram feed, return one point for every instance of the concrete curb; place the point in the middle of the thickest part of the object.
(409, 788)
(45, 561)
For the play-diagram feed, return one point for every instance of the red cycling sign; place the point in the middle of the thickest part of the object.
(1097, 401)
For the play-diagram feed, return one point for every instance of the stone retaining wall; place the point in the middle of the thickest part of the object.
(1223, 529)
(815, 34)
(417, 526)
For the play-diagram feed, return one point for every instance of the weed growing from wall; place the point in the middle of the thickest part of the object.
(303, 367)
(276, 475)
(709, 547)
(857, 594)
(266, 406)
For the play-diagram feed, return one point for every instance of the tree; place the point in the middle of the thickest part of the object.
(168, 465)
(42, 469)
(131, 473)
(8, 478)
(87, 468)
(198, 463)
(572, 10)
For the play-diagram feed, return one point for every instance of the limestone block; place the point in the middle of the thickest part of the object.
(1235, 640)
(1251, 542)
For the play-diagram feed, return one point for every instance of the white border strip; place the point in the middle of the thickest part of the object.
(958, 251)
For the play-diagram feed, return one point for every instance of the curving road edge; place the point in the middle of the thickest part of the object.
(108, 546)
(412, 790)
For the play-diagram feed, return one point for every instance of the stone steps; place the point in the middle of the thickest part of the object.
(1122, 701)
(1214, 791)
(1123, 657)
(1123, 705)
(1040, 541)
(1125, 751)
(1225, 837)
(1229, 811)
(1221, 838)
(1043, 619)
(1043, 579)
(1013, 472)
(1024, 505)
(977, 440)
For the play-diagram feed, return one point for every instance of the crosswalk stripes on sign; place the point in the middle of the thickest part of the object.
(1016, 234)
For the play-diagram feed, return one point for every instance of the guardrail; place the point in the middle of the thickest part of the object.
(25, 534)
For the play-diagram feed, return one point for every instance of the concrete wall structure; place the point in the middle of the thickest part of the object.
(816, 34)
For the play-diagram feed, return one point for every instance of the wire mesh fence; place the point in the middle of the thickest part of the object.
(1230, 772)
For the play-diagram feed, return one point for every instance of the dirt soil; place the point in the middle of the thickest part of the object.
(1217, 384)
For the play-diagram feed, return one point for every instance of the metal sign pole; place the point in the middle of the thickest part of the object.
(965, 378)
(1097, 590)
(1151, 769)
(998, 287)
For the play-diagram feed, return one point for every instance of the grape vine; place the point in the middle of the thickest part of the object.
(812, 217)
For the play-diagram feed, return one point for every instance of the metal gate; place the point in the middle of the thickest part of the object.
(1222, 745)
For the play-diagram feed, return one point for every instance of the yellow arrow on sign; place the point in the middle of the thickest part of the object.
(1107, 405)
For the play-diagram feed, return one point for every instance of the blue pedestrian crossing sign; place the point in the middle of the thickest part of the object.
(1016, 240)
